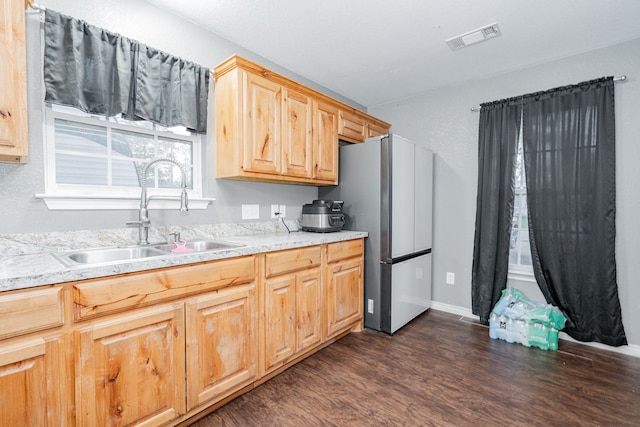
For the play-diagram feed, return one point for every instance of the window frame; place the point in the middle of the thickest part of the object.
(97, 197)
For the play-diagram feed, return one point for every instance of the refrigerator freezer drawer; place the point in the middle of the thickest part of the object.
(410, 290)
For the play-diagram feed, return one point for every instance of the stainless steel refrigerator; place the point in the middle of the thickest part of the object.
(386, 184)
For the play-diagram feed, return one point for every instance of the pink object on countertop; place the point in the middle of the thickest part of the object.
(181, 246)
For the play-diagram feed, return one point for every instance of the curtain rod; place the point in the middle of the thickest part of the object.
(615, 79)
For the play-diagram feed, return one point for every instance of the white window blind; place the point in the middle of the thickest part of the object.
(96, 158)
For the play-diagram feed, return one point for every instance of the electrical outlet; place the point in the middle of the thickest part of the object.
(451, 278)
(370, 306)
(419, 273)
(250, 211)
(278, 211)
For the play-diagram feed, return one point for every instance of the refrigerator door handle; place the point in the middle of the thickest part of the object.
(408, 256)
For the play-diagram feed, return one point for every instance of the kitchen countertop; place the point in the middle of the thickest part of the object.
(21, 268)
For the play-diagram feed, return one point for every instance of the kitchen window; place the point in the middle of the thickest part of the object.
(93, 157)
(95, 162)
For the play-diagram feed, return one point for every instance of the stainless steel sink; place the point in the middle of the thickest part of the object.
(131, 253)
(109, 255)
(199, 246)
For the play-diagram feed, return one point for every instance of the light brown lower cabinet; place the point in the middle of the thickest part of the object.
(309, 309)
(35, 371)
(292, 304)
(279, 321)
(158, 347)
(222, 350)
(130, 368)
(33, 382)
(344, 294)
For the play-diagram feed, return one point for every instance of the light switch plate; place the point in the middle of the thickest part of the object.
(250, 211)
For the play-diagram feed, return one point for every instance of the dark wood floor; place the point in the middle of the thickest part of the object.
(441, 370)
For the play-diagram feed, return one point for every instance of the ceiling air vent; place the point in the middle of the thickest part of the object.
(472, 37)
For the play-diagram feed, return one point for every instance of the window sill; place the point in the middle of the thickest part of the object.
(522, 276)
(66, 202)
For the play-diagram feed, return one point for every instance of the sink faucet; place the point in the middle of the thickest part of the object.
(143, 221)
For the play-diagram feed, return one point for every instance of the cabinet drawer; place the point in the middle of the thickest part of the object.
(31, 311)
(344, 250)
(97, 297)
(351, 126)
(376, 130)
(292, 260)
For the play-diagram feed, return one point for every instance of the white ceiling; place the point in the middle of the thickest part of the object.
(379, 51)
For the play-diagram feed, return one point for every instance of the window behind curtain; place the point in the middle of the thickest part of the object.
(519, 248)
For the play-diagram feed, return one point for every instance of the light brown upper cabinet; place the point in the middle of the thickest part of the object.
(355, 126)
(13, 83)
(325, 142)
(270, 128)
(352, 126)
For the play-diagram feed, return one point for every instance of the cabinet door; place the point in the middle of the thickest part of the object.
(33, 382)
(308, 307)
(221, 343)
(325, 142)
(344, 295)
(261, 117)
(296, 134)
(13, 82)
(130, 369)
(280, 320)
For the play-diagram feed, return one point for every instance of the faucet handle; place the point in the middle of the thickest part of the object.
(174, 237)
(140, 223)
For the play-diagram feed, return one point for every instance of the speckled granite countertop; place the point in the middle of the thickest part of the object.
(28, 260)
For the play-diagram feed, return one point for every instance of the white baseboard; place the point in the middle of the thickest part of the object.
(453, 309)
(629, 350)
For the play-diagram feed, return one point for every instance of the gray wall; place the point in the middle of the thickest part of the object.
(442, 120)
(20, 212)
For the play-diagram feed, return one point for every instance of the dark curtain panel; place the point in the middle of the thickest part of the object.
(104, 73)
(165, 87)
(569, 151)
(498, 141)
(85, 67)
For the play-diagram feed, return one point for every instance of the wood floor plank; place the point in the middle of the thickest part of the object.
(441, 370)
